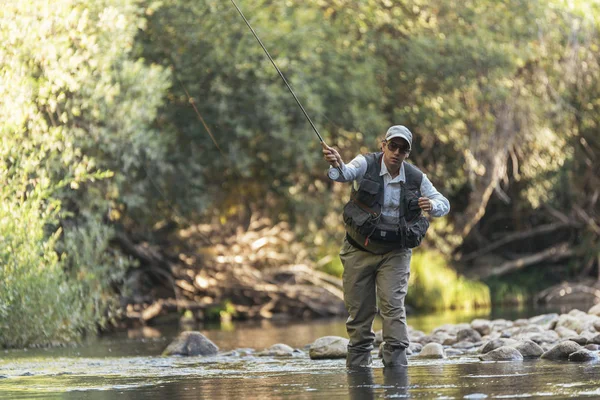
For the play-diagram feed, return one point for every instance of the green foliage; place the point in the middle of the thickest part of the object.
(433, 285)
(37, 302)
(77, 112)
(95, 122)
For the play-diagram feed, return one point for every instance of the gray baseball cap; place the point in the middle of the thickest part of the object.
(399, 131)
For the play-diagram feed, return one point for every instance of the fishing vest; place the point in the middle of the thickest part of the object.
(362, 213)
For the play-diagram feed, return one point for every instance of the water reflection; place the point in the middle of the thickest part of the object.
(129, 366)
(362, 383)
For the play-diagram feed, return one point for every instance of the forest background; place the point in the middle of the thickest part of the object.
(120, 189)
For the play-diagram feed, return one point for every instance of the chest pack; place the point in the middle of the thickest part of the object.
(362, 213)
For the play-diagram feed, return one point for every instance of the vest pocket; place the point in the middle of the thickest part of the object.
(415, 231)
(354, 214)
(368, 192)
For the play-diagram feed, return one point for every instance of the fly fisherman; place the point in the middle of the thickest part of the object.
(384, 221)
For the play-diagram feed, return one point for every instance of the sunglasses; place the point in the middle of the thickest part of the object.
(392, 146)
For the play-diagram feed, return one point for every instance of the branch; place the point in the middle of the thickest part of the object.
(560, 251)
(517, 236)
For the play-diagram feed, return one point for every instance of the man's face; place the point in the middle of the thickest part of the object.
(395, 151)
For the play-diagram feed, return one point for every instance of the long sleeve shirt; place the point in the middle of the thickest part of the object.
(355, 171)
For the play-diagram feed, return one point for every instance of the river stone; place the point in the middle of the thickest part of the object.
(191, 343)
(414, 348)
(438, 338)
(521, 322)
(503, 353)
(494, 344)
(594, 340)
(570, 321)
(592, 347)
(464, 345)
(277, 350)
(531, 329)
(583, 355)
(565, 332)
(547, 321)
(329, 347)
(596, 325)
(483, 326)
(499, 325)
(595, 310)
(545, 337)
(469, 335)
(416, 337)
(561, 351)
(529, 349)
(454, 352)
(432, 350)
(580, 340)
(452, 340)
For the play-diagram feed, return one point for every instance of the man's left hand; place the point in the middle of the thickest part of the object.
(425, 204)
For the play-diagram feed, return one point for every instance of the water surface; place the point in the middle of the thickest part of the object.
(128, 365)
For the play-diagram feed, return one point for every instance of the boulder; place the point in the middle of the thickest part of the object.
(191, 343)
(329, 347)
(277, 350)
(483, 326)
(432, 351)
(450, 341)
(494, 344)
(464, 345)
(580, 340)
(454, 352)
(565, 332)
(499, 325)
(595, 310)
(414, 348)
(594, 340)
(547, 321)
(570, 321)
(561, 351)
(544, 337)
(583, 355)
(469, 335)
(529, 349)
(504, 353)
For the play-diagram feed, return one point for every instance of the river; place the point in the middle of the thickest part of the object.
(128, 365)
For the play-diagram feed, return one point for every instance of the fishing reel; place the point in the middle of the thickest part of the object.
(334, 173)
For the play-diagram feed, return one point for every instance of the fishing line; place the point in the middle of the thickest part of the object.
(333, 173)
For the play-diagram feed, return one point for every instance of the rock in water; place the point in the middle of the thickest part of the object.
(432, 350)
(277, 350)
(329, 347)
(561, 351)
(503, 353)
(191, 344)
(529, 349)
(583, 355)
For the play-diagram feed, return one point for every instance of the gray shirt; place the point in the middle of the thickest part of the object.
(355, 171)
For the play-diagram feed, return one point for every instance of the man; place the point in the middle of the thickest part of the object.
(384, 221)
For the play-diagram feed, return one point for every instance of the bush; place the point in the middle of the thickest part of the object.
(37, 302)
(433, 285)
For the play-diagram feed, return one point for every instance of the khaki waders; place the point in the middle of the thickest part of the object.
(366, 277)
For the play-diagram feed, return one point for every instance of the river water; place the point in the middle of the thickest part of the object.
(128, 365)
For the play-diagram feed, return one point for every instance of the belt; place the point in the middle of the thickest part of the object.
(386, 236)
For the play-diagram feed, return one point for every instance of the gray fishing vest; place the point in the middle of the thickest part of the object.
(362, 214)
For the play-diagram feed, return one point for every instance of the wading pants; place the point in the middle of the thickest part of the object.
(367, 277)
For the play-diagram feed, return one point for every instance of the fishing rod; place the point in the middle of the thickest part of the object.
(333, 173)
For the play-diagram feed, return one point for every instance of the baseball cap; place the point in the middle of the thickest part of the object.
(399, 131)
